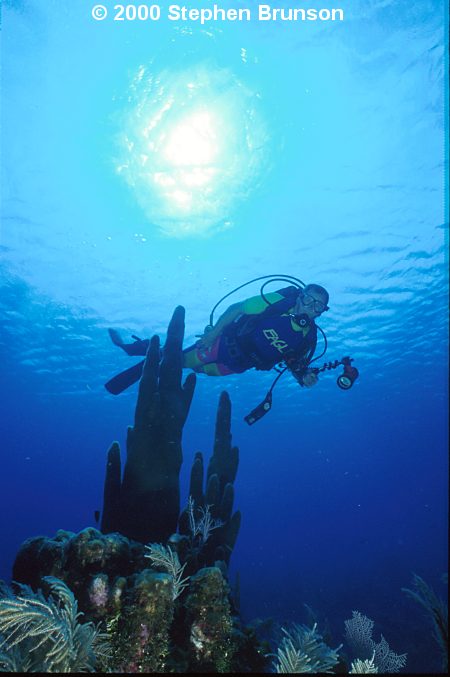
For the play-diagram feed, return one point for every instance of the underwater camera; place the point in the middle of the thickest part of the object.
(344, 381)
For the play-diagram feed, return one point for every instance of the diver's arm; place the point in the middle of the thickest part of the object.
(298, 366)
(228, 316)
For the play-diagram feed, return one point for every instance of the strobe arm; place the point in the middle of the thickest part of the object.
(297, 369)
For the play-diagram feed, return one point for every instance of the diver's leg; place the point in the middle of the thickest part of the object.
(115, 337)
(211, 369)
(191, 358)
(204, 362)
(216, 369)
(195, 357)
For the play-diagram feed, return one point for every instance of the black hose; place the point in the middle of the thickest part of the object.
(269, 279)
(325, 348)
(273, 278)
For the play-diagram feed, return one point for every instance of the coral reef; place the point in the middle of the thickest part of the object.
(145, 504)
(209, 621)
(139, 629)
(142, 596)
(366, 667)
(358, 633)
(45, 635)
(163, 556)
(160, 594)
(218, 496)
(148, 627)
(303, 650)
(78, 560)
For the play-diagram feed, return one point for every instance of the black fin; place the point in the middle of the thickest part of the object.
(125, 379)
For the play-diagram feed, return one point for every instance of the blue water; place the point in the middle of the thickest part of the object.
(314, 149)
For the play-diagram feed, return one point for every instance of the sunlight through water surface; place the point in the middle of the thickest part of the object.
(193, 144)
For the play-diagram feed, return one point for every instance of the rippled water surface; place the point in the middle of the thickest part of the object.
(153, 164)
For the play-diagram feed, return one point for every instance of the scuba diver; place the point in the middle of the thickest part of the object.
(272, 330)
(260, 332)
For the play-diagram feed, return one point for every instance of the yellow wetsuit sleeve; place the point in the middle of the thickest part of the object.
(256, 304)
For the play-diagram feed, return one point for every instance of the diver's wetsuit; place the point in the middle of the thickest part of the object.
(261, 337)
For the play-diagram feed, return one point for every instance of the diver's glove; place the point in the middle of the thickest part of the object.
(139, 347)
(302, 374)
(309, 378)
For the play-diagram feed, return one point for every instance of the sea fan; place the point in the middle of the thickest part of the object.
(303, 650)
(437, 610)
(366, 667)
(358, 633)
(45, 634)
(204, 525)
(14, 660)
(291, 660)
(165, 558)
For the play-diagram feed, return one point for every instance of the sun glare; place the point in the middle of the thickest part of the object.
(189, 150)
(192, 142)
(190, 161)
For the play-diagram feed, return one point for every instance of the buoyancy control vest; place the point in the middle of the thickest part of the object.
(265, 339)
